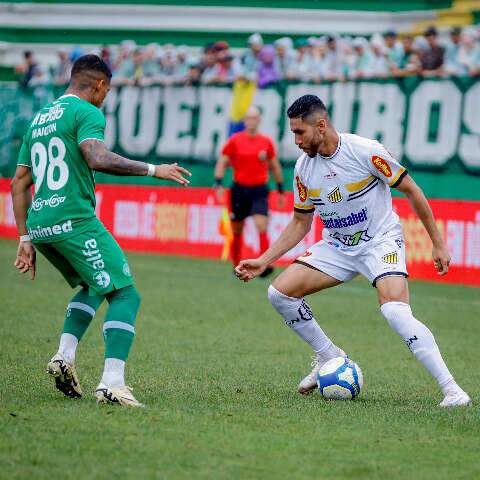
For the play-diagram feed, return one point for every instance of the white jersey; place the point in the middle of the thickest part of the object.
(350, 190)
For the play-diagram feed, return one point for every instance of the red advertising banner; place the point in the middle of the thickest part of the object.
(186, 221)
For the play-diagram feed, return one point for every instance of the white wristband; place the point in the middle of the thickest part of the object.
(151, 169)
(25, 238)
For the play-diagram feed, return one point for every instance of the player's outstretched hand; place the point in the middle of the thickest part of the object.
(26, 258)
(247, 270)
(172, 172)
(441, 259)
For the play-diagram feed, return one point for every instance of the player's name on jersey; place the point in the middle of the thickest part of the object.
(342, 222)
(44, 131)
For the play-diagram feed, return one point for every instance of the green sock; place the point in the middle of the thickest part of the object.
(119, 326)
(80, 312)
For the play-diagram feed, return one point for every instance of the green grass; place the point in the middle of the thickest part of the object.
(218, 372)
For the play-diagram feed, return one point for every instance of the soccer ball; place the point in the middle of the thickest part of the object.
(340, 379)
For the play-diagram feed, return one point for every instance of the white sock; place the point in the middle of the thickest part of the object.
(114, 372)
(298, 315)
(68, 346)
(420, 341)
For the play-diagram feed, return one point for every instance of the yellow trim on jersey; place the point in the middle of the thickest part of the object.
(314, 193)
(304, 207)
(397, 176)
(353, 187)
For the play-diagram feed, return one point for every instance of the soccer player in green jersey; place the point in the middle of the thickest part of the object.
(63, 145)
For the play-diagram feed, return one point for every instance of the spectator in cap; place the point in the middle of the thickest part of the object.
(432, 59)
(250, 58)
(393, 47)
(379, 66)
(302, 67)
(333, 63)
(363, 66)
(284, 55)
(267, 72)
(452, 46)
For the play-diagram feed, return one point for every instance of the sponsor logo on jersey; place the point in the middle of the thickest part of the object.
(45, 232)
(302, 189)
(390, 258)
(102, 279)
(382, 166)
(306, 254)
(330, 175)
(335, 195)
(52, 202)
(93, 255)
(54, 113)
(343, 222)
(352, 240)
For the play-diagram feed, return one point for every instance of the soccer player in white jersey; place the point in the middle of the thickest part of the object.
(346, 179)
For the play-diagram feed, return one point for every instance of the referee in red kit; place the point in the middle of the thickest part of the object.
(251, 155)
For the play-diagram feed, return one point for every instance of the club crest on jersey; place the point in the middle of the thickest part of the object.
(302, 189)
(307, 254)
(390, 258)
(335, 195)
(382, 166)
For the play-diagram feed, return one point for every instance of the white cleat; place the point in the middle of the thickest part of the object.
(66, 378)
(456, 398)
(309, 383)
(117, 395)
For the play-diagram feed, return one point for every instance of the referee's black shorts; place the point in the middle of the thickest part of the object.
(247, 201)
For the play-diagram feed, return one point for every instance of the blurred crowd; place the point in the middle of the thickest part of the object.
(315, 59)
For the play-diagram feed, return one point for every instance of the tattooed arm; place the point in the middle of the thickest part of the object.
(99, 158)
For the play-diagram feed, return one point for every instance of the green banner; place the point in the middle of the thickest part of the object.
(432, 125)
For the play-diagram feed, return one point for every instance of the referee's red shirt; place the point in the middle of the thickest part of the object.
(249, 158)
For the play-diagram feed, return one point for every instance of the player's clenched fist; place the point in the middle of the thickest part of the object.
(249, 269)
(172, 172)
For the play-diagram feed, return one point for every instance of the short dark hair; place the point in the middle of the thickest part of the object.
(306, 105)
(90, 64)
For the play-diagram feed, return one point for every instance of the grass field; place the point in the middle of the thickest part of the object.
(218, 371)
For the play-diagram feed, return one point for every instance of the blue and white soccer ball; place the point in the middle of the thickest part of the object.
(340, 379)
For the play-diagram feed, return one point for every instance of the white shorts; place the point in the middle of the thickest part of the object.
(383, 258)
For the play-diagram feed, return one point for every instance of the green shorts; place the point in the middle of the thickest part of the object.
(91, 257)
